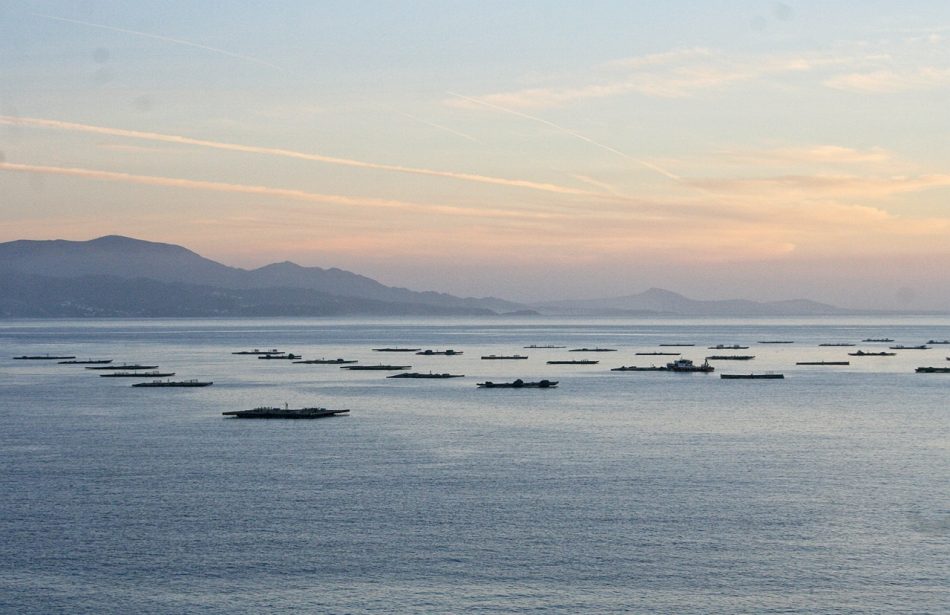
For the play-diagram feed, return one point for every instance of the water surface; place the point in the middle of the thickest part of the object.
(615, 492)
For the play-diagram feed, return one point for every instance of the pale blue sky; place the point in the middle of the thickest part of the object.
(532, 150)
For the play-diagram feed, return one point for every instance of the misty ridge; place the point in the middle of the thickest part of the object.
(116, 276)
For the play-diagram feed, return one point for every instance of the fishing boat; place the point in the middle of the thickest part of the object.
(687, 366)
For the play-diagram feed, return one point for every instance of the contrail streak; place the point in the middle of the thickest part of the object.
(297, 195)
(443, 128)
(286, 153)
(167, 39)
(576, 135)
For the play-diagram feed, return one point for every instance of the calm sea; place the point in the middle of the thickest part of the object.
(825, 492)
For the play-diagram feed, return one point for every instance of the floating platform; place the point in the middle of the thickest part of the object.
(396, 349)
(257, 352)
(861, 353)
(752, 376)
(284, 413)
(633, 368)
(823, 363)
(43, 357)
(175, 383)
(429, 375)
(124, 366)
(447, 353)
(518, 384)
(877, 339)
(499, 357)
(326, 361)
(287, 357)
(658, 354)
(138, 375)
(729, 347)
(592, 350)
(776, 342)
(581, 362)
(902, 347)
(367, 368)
(933, 370)
(86, 362)
(684, 345)
(547, 346)
(730, 357)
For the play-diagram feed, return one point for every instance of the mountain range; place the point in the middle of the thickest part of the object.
(116, 276)
(120, 276)
(656, 301)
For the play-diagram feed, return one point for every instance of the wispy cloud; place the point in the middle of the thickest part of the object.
(568, 131)
(887, 81)
(603, 186)
(286, 153)
(125, 147)
(658, 59)
(673, 74)
(166, 39)
(297, 195)
(681, 73)
(816, 154)
(824, 185)
(451, 131)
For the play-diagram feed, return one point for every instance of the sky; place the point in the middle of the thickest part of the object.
(531, 150)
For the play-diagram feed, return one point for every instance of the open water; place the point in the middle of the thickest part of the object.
(650, 492)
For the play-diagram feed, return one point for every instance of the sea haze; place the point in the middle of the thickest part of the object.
(615, 492)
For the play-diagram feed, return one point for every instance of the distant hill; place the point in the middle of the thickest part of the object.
(120, 267)
(120, 276)
(657, 301)
(34, 296)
